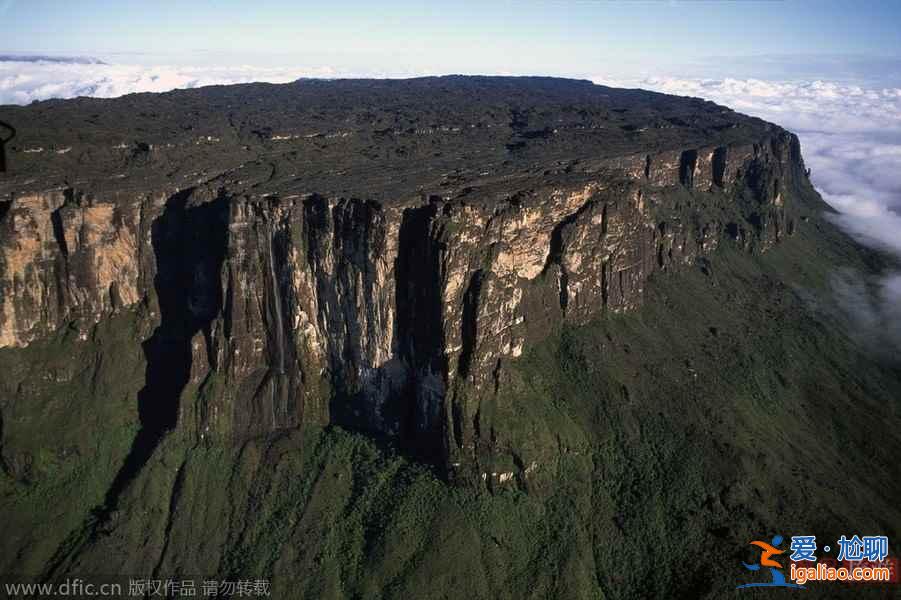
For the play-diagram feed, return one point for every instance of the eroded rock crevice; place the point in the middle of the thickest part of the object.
(420, 342)
(688, 162)
(719, 166)
(470, 323)
(284, 374)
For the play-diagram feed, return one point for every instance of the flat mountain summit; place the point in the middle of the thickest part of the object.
(382, 139)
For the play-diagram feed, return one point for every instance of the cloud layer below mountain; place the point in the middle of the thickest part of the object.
(22, 82)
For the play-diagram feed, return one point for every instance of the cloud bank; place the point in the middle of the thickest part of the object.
(24, 81)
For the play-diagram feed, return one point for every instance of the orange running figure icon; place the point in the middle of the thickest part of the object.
(767, 551)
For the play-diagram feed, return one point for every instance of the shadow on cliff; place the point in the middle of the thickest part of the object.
(420, 335)
(9, 132)
(189, 243)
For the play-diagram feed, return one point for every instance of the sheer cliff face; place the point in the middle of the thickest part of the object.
(309, 300)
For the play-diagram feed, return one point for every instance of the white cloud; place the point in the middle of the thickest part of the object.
(871, 311)
(801, 106)
(23, 82)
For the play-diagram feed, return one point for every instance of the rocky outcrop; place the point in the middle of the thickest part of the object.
(390, 315)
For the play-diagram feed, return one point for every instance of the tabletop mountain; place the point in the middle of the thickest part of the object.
(508, 337)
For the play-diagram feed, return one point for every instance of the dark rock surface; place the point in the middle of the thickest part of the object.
(377, 139)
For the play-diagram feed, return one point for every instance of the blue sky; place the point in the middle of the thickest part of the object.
(528, 36)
